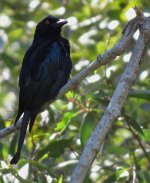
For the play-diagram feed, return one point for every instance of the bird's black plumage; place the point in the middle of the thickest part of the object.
(45, 69)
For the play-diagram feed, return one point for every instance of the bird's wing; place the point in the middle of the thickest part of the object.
(44, 74)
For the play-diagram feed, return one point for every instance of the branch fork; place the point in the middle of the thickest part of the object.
(128, 78)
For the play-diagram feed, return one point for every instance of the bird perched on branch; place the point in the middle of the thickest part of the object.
(45, 69)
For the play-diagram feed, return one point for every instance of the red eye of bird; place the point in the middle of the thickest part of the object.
(47, 22)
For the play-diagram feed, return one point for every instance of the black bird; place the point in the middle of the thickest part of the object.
(45, 69)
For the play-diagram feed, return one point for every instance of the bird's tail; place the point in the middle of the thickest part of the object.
(18, 116)
(32, 119)
(25, 122)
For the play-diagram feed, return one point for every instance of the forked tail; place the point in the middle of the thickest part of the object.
(25, 122)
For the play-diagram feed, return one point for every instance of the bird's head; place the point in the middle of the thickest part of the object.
(50, 26)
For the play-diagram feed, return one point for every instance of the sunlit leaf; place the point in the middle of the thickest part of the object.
(62, 125)
(60, 179)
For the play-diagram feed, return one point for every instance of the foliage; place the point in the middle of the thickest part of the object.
(52, 149)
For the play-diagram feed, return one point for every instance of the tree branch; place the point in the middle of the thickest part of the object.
(113, 110)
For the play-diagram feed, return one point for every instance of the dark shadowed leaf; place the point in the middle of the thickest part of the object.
(87, 127)
(136, 126)
(141, 94)
(118, 175)
(54, 149)
(144, 176)
(146, 135)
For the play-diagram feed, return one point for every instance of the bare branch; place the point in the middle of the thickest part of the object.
(113, 110)
(7, 131)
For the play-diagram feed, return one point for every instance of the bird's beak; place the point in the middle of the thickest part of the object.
(61, 22)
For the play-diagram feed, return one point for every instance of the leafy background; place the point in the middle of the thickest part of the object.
(51, 151)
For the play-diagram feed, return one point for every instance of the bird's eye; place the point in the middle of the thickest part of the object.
(47, 22)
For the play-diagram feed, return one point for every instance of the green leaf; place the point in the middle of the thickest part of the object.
(15, 33)
(143, 176)
(146, 135)
(141, 94)
(136, 126)
(54, 149)
(9, 61)
(113, 13)
(117, 150)
(13, 143)
(1, 179)
(62, 125)
(110, 179)
(87, 127)
(132, 155)
(1, 150)
(42, 167)
(4, 150)
(2, 122)
(60, 179)
(119, 174)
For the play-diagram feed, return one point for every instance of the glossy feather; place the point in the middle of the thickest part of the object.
(45, 69)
